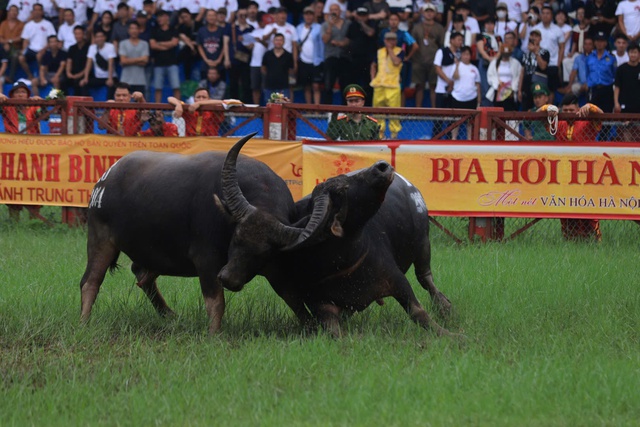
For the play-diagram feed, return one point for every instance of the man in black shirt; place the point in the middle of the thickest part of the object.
(277, 66)
(626, 89)
(164, 51)
(188, 54)
(77, 61)
(362, 49)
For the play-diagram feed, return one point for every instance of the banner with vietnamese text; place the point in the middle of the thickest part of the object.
(552, 180)
(61, 170)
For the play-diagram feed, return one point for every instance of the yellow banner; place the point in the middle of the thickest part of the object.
(485, 179)
(61, 170)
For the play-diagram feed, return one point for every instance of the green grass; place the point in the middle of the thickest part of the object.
(552, 340)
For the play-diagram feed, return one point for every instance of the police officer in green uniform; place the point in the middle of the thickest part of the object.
(353, 126)
(536, 129)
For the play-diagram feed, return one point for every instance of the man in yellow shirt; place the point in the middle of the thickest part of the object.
(385, 80)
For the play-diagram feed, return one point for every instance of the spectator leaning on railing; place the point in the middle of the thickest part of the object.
(577, 130)
(122, 121)
(18, 119)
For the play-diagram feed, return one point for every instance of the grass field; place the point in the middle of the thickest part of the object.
(552, 340)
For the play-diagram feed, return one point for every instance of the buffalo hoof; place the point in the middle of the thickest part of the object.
(443, 305)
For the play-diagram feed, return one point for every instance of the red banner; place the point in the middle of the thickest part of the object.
(61, 170)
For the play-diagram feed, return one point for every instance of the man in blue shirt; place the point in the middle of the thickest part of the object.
(601, 73)
(578, 77)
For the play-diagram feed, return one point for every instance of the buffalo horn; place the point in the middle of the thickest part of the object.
(236, 202)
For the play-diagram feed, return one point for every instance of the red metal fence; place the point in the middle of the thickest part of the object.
(302, 121)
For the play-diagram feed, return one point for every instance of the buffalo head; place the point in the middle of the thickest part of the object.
(258, 234)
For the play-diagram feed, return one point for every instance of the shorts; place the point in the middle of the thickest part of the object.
(256, 78)
(467, 105)
(309, 73)
(30, 55)
(172, 72)
(424, 73)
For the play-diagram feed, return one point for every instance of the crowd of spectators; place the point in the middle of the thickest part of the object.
(466, 54)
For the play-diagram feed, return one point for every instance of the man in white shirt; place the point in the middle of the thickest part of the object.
(517, 9)
(258, 48)
(311, 56)
(24, 8)
(65, 31)
(101, 57)
(553, 41)
(445, 63)
(230, 5)
(79, 8)
(35, 36)
(287, 30)
(628, 13)
(620, 52)
(267, 5)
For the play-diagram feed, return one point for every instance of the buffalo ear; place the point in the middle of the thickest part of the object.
(222, 206)
(336, 227)
(338, 220)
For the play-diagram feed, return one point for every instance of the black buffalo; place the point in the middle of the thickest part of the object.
(163, 211)
(375, 225)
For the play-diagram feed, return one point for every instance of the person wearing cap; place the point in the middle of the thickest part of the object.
(20, 119)
(353, 126)
(536, 129)
(503, 23)
(628, 14)
(534, 69)
(503, 76)
(601, 73)
(553, 41)
(311, 56)
(429, 36)
(580, 131)
(385, 80)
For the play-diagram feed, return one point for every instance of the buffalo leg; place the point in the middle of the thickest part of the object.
(423, 273)
(213, 295)
(99, 258)
(403, 293)
(329, 317)
(147, 282)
